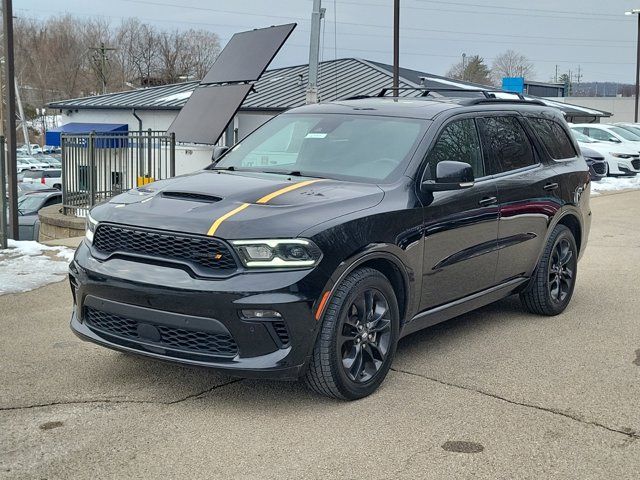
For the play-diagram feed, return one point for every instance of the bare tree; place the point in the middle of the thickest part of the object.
(511, 64)
(56, 57)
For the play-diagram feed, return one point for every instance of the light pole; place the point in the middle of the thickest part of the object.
(464, 65)
(396, 45)
(636, 11)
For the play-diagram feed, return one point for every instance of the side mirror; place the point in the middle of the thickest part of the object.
(614, 140)
(218, 152)
(449, 176)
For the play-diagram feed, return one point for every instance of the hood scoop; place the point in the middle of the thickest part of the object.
(191, 196)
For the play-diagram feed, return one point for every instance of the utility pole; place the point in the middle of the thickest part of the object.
(100, 59)
(556, 77)
(12, 166)
(636, 12)
(396, 45)
(314, 51)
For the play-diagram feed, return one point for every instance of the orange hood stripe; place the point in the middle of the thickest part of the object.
(282, 191)
(217, 223)
(262, 200)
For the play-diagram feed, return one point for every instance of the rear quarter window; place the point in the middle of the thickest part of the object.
(554, 138)
(52, 174)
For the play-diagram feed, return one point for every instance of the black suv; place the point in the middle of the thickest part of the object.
(312, 246)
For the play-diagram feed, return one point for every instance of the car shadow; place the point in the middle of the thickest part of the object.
(248, 394)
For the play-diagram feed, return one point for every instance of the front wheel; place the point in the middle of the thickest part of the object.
(358, 337)
(551, 287)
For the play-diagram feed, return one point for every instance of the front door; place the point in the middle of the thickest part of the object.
(460, 227)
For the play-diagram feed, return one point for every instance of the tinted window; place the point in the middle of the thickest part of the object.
(554, 138)
(507, 146)
(458, 142)
(52, 174)
(33, 174)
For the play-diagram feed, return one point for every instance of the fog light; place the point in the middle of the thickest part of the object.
(259, 314)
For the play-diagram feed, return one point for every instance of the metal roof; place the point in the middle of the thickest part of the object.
(283, 88)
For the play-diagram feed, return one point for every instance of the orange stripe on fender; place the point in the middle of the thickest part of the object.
(284, 190)
(323, 303)
(217, 223)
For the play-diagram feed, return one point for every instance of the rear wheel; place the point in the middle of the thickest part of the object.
(551, 287)
(358, 338)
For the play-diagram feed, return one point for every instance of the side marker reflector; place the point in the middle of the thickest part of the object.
(323, 302)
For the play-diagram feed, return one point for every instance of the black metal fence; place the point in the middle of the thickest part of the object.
(98, 166)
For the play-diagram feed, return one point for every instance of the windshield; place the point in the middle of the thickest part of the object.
(581, 137)
(626, 134)
(351, 147)
(29, 203)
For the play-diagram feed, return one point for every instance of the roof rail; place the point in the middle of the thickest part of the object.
(488, 94)
(480, 101)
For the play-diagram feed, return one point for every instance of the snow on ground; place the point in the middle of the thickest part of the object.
(610, 184)
(27, 265)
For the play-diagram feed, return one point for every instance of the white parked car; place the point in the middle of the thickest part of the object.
(35, 148)
(608, 133)
(632, 127)
(52, 178)
(34, 163)
(622, 159)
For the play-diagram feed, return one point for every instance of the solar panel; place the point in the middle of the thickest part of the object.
(248, 54)
(207, 113)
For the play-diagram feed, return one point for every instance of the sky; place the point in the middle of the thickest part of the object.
(590, 36)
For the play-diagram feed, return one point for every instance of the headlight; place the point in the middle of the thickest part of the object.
(91, 228)
(295, 252)
(621, 155)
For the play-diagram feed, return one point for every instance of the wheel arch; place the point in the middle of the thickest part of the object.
(387, 263)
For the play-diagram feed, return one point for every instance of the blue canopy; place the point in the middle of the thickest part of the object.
(53, 136)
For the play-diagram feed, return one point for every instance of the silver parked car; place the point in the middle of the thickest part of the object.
(28, 206)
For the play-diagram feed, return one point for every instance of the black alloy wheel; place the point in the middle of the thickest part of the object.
(551, 286)
(365, 335)
(561, 270)
(357, 339)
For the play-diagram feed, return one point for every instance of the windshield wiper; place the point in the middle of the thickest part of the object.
(292, 173)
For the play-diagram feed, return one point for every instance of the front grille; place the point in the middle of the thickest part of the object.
(599, 167)
(636, 164)
(282, 332)
(191, 341)
(203, 252)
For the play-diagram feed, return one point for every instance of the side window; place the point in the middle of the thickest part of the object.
(598, 134)
(458, 142)
(554, 138)
(506, 144)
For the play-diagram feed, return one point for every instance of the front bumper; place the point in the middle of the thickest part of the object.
(165, 313)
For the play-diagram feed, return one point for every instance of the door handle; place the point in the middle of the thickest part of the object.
(488, 201)
(550, 186)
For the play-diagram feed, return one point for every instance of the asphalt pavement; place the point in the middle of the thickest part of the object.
(497, 393)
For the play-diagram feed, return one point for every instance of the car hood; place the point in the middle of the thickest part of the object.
(606, 148)
(237, 205)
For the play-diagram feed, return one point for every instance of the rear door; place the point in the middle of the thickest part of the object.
(526, 192)
(461, 226)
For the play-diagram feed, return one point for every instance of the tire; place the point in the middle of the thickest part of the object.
(551, 287)
(57, 186)
(352, 356)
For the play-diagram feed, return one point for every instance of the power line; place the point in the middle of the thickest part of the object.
(227, 25)
(572, 14)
